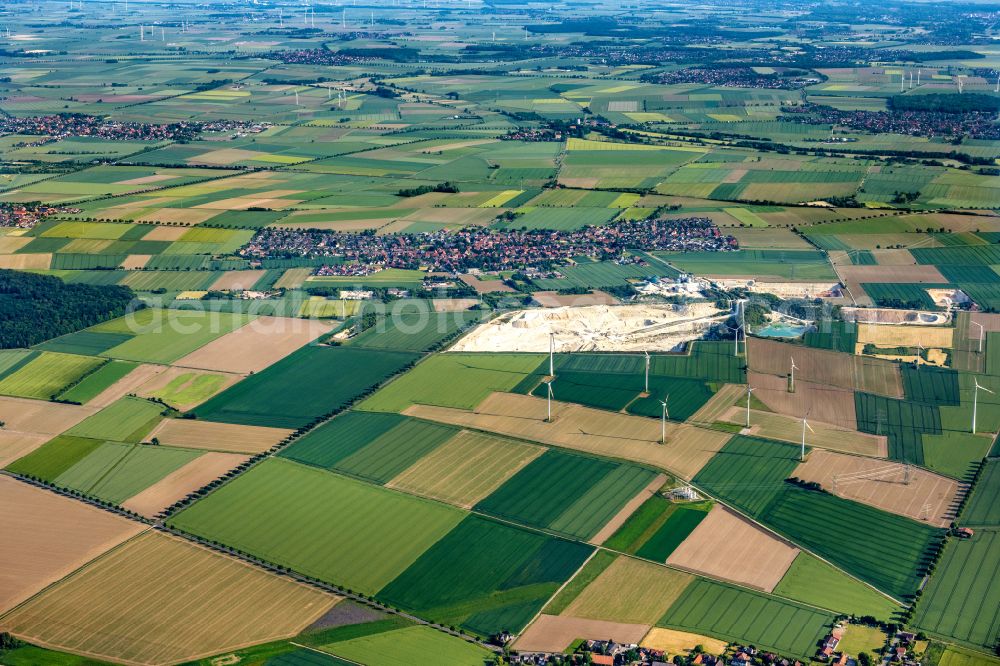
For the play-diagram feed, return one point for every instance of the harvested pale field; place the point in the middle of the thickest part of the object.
(728, 546)
(163, 233)
(894, 257)
(14, 445)
(553, 299)
(47, 537)
(38, 260)
(826, 404)
(630, 507)
(822, 435)
(630, 590)
(293, 278)
(130, 383)
(673, 641)
(225, 156)
(718, 405)
(889, 335)
(40, 417)
(237, 280)
(176, 485)
(552, 633)
(11, 244)
(224, 437)
(145, 180)
(159, 600)
(621, 436)
(253, 347)
(136, 261)
(769, 238)
(836, 369)
(892, 316)
(990, 322)
(453, 304)
(466, 468)
(158, 382)
(909, 491)
(186, 216)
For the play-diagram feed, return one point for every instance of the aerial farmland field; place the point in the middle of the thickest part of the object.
(475, 333)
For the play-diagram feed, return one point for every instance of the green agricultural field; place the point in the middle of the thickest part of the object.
(567, 493)
(486, 576)
(962, 600)
(163, 336)
(807, 265)
(115, 472)
(983, 507)
(304, 386)
(87, 342)
(461, 380)
(189, 388)
(953, 655)
(93, 384)
(734, 614)
(318, 523)
(420, 331)
(749, 472)
(47, 374)
(409, 645)
(680, 523)
(814, 582)
(127, 419)
(54, 457)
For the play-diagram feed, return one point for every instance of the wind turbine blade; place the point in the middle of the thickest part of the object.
(810, 427)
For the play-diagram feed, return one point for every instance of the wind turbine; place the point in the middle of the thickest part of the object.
(749, 391)
(920, 354)
(663, 421)
(647, 371)
(982, 331)
(794, 368)
(552, 354)
(805, 424)
(975, 402)
(548, 385)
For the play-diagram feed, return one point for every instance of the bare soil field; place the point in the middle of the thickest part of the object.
(163, 233)
(237, 280)
(179, 483)
(255, 346)
(160, 600)
(832, 368)
(989, 321)
(630, 590)
(14, 445)
(621, 436)
(823, 435)
(673, 641)
(553, 299)
(553, 633)
(453, 304)
(224, 437)
(47, 537)
(130, 383)
(727, 546)
(136, 261)
(630, 507)
(37, 416)
(481, 286)
(823, 403)
(894, 257)
(883, 484)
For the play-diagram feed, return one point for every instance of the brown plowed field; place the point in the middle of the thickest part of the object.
(14, 445)
(225, 437)
(728, 546)
(635, 438)
(161, 600)
(255, 346)
(40, 417)
(823, 403)
(831, 368)
(47, 537)
(927, 496)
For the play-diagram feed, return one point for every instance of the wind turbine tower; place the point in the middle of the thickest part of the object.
(663, 420)
(805, 424)
(647, 371)
(749, 391)
(548, 386)
(791, 386)
(975, 402)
